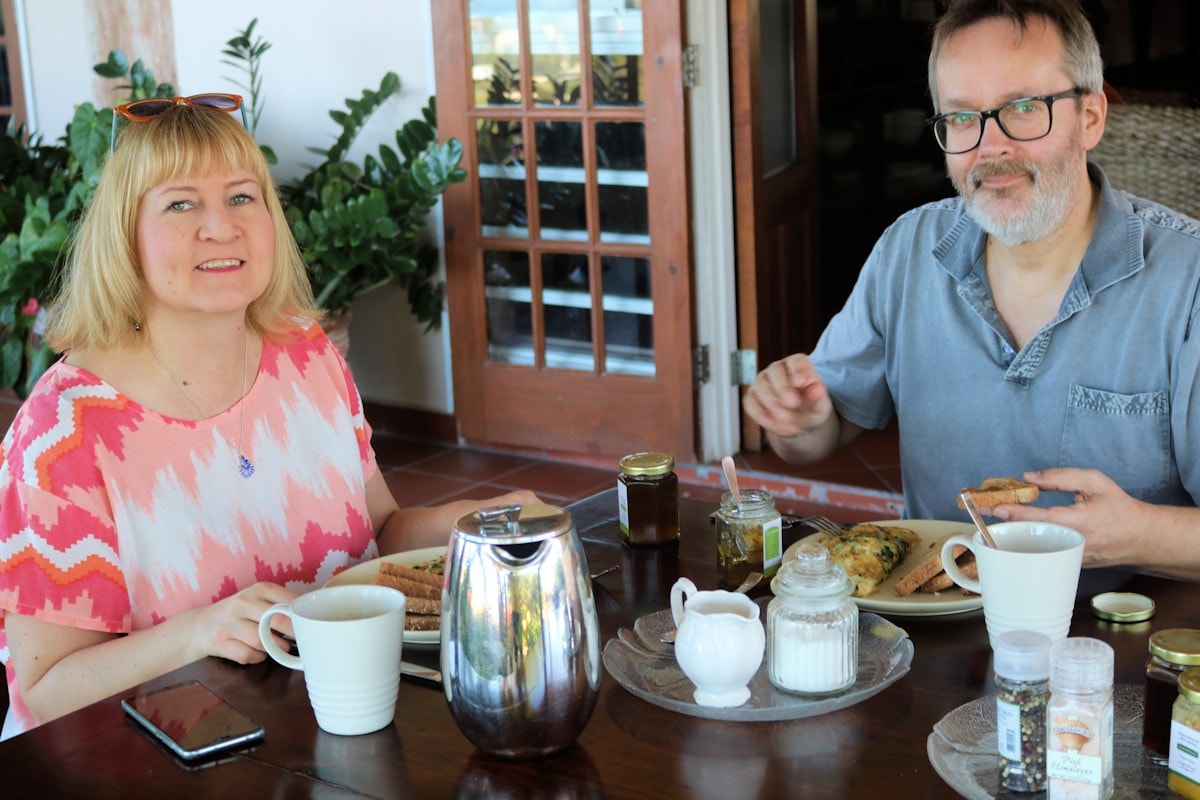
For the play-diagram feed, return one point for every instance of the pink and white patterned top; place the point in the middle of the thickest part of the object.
(114, 517)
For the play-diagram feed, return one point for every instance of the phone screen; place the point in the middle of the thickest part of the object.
(191, 720)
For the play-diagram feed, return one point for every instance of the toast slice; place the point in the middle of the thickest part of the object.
(926, 569)
(942, 581)
(998, 491)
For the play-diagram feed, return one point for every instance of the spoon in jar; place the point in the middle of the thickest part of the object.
(731, 480)
(969, 504)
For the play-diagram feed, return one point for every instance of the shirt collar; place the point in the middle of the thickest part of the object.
(1114, 253)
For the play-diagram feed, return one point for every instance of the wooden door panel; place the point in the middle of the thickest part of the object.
(574, 183)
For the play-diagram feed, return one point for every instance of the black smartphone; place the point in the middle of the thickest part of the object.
(192, 720)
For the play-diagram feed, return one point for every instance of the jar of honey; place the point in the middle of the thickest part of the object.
(648, 499)
(1172, 651)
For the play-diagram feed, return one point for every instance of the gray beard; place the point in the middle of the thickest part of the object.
(1053, 189)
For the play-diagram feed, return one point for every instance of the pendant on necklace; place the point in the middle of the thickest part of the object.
(245, 468)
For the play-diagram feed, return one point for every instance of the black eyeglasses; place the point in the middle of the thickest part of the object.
(142, 110)
(1024, 120)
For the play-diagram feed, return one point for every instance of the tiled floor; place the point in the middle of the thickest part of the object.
(858, 483)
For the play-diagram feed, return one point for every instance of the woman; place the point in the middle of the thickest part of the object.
(200, 451)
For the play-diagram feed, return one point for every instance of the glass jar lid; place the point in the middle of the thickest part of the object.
(1122, 607)
(1177, 645)
(1189, 685)
(647, 464)
(812, 574)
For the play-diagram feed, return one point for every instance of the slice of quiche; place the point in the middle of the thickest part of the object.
(869, 553)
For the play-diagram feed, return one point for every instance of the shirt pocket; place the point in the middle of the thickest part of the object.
(1125, 436)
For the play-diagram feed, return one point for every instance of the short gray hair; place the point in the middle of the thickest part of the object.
(1083, 61)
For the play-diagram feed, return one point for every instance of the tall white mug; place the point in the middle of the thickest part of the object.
(350, 640)
(1028, 580)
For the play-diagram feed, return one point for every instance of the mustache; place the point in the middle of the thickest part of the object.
(992, 169)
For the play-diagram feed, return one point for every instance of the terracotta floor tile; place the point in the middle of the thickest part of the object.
(474, 465)
(396, 452)
(559, 479)
(412, 488)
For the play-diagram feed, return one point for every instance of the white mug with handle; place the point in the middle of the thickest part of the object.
(1028, 581)
(351, 640)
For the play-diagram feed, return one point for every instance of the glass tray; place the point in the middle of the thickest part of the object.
(962, 748)
(646, 667)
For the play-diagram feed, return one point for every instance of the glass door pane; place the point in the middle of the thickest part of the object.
(623, 183)
(616, 37)
(628, 306)
(501, 156)
(554, 52)
(561, 181)
(567, 305)
(495, 52)
(509, 294)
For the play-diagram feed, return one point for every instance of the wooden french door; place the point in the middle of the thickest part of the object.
(568, 276)
(772, 53)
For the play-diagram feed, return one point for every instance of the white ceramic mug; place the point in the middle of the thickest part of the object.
(719, 642)
(350, 640)
(1028, 580)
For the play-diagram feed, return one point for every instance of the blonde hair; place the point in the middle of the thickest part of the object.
(103, 288)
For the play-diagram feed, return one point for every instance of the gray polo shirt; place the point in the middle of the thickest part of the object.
(1110, 383)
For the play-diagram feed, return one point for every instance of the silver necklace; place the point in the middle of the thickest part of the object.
(245, 467)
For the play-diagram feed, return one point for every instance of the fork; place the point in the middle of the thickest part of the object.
(822, 524)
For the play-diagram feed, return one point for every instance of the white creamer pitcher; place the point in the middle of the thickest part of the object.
(719, 643)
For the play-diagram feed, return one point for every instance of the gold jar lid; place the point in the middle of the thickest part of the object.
(647, 465)
(1189, 685)
(1122, 607)
(1177, 645)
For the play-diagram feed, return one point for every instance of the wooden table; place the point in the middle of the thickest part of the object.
(630, 748)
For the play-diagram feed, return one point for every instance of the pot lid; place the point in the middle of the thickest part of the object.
(514, 524)
(812, 573)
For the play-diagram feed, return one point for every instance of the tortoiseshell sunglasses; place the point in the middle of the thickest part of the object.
(142, 110)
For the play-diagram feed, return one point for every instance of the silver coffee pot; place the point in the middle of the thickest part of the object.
(520, 641)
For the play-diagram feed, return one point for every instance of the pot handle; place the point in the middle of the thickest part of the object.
(682, 586)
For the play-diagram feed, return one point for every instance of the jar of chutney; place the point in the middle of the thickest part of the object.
(749, 536)
(648, 499)
(1172, 651)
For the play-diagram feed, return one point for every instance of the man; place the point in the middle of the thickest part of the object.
(1039, 321)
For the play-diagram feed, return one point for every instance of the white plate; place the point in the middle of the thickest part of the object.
(362, 573)
(886, 601)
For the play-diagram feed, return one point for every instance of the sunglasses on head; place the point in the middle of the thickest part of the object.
(143, 110)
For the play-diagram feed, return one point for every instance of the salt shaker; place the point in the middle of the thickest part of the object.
(1022, 660)
(812, 625)
(1079, 720)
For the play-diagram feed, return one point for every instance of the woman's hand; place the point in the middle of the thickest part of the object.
(229, 627)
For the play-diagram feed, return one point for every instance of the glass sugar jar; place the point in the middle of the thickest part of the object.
(812, 625)
(1172, 651)
(648, 499)
(749, 537)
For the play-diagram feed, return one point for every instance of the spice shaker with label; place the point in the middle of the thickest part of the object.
(749, 537)
(648, 499)
(1022, 661)
(812, 625)
(1172, 651)
(1184, 761)
(1079, 720)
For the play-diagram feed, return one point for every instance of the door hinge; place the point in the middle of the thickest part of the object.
(700, 373)
(691, 66)
(743, 366)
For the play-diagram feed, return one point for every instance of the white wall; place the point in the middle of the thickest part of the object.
(321, 54)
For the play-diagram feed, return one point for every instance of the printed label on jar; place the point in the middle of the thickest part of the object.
(772, 545)
(623, 507)
(1008, 729)
(1185, 751)
(1074, 754)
